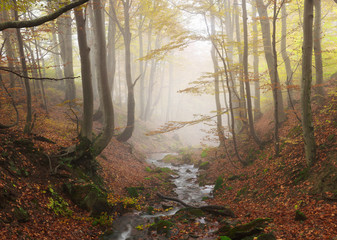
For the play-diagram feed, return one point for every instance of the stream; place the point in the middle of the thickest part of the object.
(187, 189)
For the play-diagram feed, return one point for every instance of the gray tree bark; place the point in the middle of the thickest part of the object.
(243, 110)
(219, 125)
(103, 85)
(265, 27)
(257, 105)
(111, 47)
(28, 124)
(246, 75)
(88, 99)
(318, 49)
(130, 125)
(65, 37)
(285, 56)
(307, 121)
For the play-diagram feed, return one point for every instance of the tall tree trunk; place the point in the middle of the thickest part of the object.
(257, 106)
(103, 85)
(111, 47)
(243, 111)
(127, 133)
(285, 56)
(219, 126)
(265, 27)
(154, 63)
(246, 75)
(88, 98)
(307, 121)
(276, 86)
(28, 124)
(159, 95)
(56, 57)
(142, 79)
(170, 90)
(141, 66)
(318, 49)
(229, 23)
(67, 55)
(9, 48)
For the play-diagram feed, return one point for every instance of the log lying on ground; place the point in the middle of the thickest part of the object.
(213, 209)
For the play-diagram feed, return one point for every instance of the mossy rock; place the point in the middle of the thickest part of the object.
(89, 197)
(204, 165)
(245, 230)
(21, 214)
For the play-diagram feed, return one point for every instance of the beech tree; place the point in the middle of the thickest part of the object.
(246, 75)
(88, 106)
(285, 56)
(318, 49)
(269, 56)
(125, 30)
(103, 84)
(307, 121)
(216, 83)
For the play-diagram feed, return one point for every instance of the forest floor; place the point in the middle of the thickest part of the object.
(278, 187)
(33, 204)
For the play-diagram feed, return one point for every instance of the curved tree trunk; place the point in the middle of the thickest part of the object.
(127, 133)
(103, 84)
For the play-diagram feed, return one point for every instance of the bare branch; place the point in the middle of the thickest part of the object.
(33, 78)
(41, 20)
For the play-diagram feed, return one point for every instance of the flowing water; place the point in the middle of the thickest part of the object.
(187, 189)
